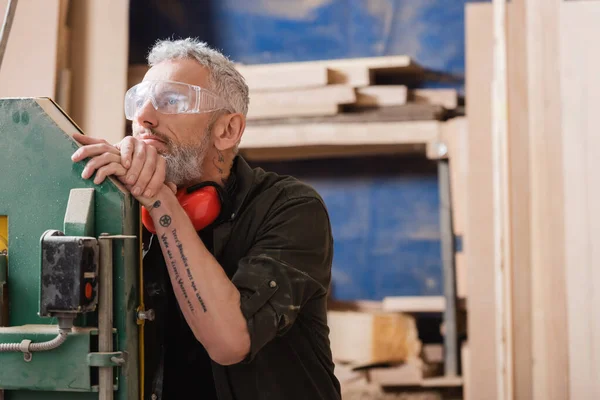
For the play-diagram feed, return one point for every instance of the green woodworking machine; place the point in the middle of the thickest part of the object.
(71, 310)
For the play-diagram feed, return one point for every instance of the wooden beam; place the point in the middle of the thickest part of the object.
(447, 98)
(365, 338)
(580, 82)
(501, 209)
(99, 62)
(29, 64)
(284, 76)
(520, 211)
(356, 134)
(549, 318)
(414, 304)
(382, 95)
(351, 71)
(305, 102)
(478, 241)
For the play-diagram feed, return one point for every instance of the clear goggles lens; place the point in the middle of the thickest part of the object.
(171, 98)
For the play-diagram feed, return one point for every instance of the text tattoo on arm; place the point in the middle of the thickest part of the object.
(176, 273)
(187, 268)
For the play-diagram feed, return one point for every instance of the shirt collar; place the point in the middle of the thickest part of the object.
(239, 184)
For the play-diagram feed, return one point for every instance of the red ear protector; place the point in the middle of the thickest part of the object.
(202, 203)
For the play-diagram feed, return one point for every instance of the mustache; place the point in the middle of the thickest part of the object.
(159, 135)
(156, 133)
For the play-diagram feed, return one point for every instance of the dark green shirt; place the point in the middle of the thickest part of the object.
(276, 246)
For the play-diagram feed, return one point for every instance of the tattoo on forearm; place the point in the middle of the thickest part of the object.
(165, 221)
(178, 278)
(179, 246)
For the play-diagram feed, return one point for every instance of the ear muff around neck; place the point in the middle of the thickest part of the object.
(202, 203)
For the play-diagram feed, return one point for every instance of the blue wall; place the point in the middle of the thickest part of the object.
(385, 218)
(266, 31)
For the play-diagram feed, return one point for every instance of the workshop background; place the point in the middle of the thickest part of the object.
(452, 141)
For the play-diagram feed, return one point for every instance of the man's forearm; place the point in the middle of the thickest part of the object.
(206, 296)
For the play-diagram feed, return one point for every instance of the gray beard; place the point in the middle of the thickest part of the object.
(184, 163)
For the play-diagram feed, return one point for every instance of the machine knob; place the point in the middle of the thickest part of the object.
(146, 315)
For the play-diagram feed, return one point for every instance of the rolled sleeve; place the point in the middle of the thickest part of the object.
(289, 265)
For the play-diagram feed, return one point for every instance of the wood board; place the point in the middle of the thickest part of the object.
(29, 64)
(318, 101)
(414, 304)
(365, 338)
(520, 207)
(447, 98)
(99, 61)
(580, 84)
(478, 230)
(341, 134)
(381, 96)
(354, 72)
(549, 320)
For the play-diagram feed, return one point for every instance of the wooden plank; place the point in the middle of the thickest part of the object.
(299, 102)
(99, 61)
(359, 71)
(466, 373)
(284, 75)
(371, 133)
(407, 374)
(478, 230)
(407, 112)
(447, 98)
(442, 381)
(381, 96)
(501, 205)
(29, 64)
(549, 327)
(331, 151)
(580, 83)
(351, 71)
(414, 304)
(520, 211)
(373, 337)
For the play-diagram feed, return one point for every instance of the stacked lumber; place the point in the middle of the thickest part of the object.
(344, 107)
(375, 345)
(328, 87)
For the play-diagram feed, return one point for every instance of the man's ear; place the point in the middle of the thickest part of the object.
(228, 130)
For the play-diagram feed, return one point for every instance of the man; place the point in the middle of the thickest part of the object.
(241, 304)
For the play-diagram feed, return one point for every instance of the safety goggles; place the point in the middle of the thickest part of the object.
(170, 97)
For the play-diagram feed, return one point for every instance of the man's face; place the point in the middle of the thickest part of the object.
(183, 139)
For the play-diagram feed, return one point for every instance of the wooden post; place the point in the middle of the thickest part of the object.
(548, 312)
(501, 206)
(99, 60)
(580, 84)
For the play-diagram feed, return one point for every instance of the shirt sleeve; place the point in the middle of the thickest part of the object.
(289, 264)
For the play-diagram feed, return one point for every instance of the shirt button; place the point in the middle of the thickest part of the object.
(232, 215)
(272, 284)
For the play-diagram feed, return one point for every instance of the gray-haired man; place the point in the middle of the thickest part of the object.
(241, 303)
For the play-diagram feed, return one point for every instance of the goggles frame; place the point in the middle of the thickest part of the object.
(203, 101)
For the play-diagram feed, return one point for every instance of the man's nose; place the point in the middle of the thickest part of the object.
(147, 116)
